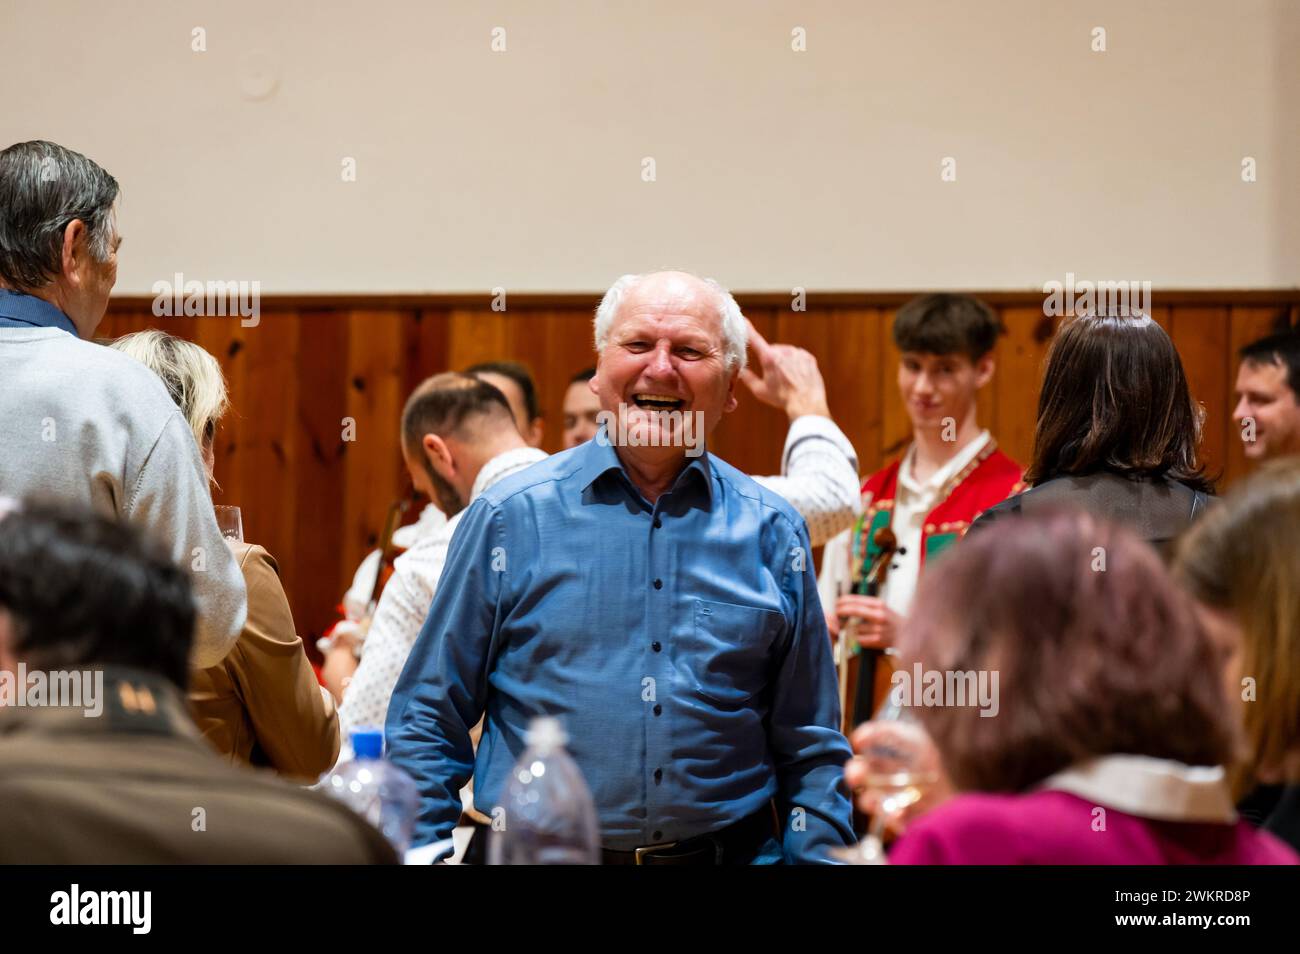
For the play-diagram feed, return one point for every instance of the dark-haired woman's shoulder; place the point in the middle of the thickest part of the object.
(1012, 506)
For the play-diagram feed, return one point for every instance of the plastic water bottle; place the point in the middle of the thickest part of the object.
(377, 790)
(549, 817)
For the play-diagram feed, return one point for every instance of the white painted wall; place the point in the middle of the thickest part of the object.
(774, 168)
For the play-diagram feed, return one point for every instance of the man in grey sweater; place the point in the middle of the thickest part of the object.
(80, 422)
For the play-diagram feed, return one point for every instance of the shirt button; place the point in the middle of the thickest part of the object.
(659, 777)
(658, 523)
(656, 646)
(659, 584)
(659, 710)
(657, 835)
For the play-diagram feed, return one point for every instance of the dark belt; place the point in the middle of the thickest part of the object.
(737, 844)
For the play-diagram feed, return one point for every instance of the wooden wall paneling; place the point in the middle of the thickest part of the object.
(428, 346)
(1016, 382)
(856, 377)
(556, 344)
(268, 459)
(318, 503)
(225, 340)
(1200, 334)
(477, 334)
(895, 425)
(986, 406)
(316, 565)
(374, 474)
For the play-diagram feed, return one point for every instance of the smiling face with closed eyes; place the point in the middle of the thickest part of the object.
(665, 352)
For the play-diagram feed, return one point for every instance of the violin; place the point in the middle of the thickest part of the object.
(859, 672)
(386, 552)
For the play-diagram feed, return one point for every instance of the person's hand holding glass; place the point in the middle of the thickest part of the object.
(896, 776)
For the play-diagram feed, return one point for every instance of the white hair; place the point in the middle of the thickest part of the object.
(735, 334)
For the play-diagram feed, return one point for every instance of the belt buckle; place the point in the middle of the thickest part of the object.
(646, 849)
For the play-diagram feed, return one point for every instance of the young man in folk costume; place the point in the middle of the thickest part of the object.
(950, 473)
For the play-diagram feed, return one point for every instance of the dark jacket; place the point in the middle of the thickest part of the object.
(1276, 809)
(1157, 509)
(137, 785)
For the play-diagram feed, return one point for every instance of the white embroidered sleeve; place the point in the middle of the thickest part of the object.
(819, 477)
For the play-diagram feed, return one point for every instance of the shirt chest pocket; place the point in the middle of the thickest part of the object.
(727, 650)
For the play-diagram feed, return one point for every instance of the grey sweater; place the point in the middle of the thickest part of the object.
(83, 423)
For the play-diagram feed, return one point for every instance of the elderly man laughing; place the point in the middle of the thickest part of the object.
(657, 601)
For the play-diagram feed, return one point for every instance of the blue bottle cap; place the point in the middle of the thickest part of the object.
(367, 744)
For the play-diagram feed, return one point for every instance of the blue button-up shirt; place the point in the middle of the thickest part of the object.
(18, 310)
(682, 645)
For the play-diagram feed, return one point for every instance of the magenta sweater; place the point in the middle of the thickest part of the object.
(1057, 828)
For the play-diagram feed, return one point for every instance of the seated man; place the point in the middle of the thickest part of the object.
(92, 604)
(656, 600)
(1268, 389)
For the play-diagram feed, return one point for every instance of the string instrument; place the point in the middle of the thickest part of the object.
(859, 672)
(387, 554)
(356, 629)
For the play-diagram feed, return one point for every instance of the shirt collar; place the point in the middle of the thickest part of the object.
(600, 458)
(503, 465)
(1150, 788)
(940, 477)
(18, 309)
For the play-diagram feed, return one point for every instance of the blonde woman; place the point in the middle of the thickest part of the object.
(1242, 563)
(262, 704)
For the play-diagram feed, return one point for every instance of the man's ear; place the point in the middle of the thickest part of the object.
(984, 369)
(74, 249)
(593, 383)
(439, 456)
(732, 403)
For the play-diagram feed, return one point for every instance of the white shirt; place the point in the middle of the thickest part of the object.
(404, 606)
(357, 599)
(819, 476)
(913, 501)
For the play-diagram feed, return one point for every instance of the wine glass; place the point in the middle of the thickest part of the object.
(897, 777)
(230, 522)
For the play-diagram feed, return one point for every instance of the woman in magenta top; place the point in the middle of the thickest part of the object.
(1111, 725)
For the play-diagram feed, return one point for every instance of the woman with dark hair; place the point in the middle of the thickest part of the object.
(1109, 729)
(1242, 565)
(1118, 432)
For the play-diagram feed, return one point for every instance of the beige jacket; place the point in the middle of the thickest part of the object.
(262, 704)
